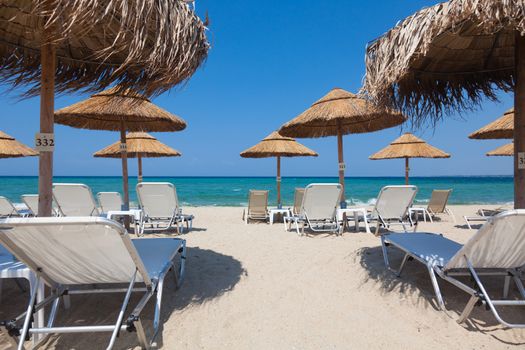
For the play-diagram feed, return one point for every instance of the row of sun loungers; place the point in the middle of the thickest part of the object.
(315, 207)
(159, 205)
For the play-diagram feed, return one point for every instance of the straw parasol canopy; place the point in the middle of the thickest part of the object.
(339, 113)
(139, 145)
(501, 128)
(10, 148)
(115, 109)
(107, 110)
(276, 145)
(64, 46)
(447, 58)
(409, 146)
(505, 150)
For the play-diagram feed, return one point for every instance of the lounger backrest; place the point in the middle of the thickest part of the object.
(74, 250)
(320, 201)
(6, 207)
(158, 199)
(393, 201)
(298, 200)
(438, 201)
(109, 201)
(31, 201)
(257, 203)
(75, 200)
(499, 243)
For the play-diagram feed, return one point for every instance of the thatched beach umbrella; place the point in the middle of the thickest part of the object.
(139, 145)
(122, 111)
(276, 145)
(409, 146)
(505, 150)
(448, 57)
(501, 128)
(10, 148)
(339, 113)
(64, 46)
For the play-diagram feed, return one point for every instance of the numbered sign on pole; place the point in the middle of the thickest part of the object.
(44, 142)
(521, 160)
(342, 166)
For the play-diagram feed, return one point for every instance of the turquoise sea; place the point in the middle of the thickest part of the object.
(233, 191)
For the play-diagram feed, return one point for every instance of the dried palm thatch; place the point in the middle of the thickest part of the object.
(108, 109)
(138, 144)
(409, 146)
(10, 148)
(501, 128)
(276, 145)
(445, 58)
(340, 112)
(148, 45)
(505, 150)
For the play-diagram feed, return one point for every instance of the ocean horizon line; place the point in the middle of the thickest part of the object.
(269, 176)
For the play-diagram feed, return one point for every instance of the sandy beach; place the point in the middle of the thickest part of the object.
(258, 287)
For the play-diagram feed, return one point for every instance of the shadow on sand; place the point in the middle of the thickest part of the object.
(414, 286)
(209, 275)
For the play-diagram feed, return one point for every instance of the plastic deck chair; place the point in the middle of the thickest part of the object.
(160, 206)
(109, 201)
(392, 206)
(257, 206)
(497, 249)
(75, 255)
(318, 209)
(74, 200)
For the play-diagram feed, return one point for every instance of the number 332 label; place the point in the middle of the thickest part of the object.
(45, 142)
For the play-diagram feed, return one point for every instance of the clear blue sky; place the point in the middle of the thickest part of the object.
(269, 61)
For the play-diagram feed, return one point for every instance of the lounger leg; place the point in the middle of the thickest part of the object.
(506, 287)
(435, 284)
(29, 314)
(449, 212)
(158, 304)
(121, 313)
(429, 216)
(519, 284)
(468, 223)
(468, 309)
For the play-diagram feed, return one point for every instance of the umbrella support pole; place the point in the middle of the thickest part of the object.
(278, 182)
(47, 110)
(139, 160)
(407, 170)
(519, 123)
(341, 164)
(124, 156)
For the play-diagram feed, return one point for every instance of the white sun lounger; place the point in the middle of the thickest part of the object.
(483, 216)
(7, 209)
(392, 206)
(436, 205)
(497, 249)
(160, 206)
(74, 200)
(318, 209)
(74, 255)
(31, 202)
(109, 201)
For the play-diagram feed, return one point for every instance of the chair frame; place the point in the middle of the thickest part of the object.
(133, 323)
(478, 295)
(387, 223)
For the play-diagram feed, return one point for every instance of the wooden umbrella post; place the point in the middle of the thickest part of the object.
(278, 182)
(519, 123)
(407, 170)
(341, 163)
(124, 156)
(47, 109)
(139, 160)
